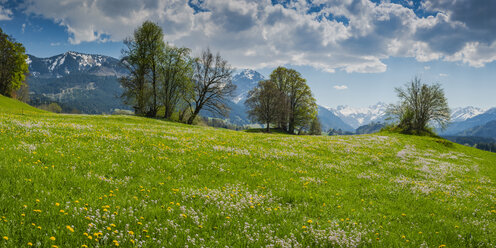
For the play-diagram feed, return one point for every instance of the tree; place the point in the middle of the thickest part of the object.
(315, 128)
(212, 85)
(141, 57)
(420, 104)
(297, 106)
(176, 71)
(13, 66)
(263, 102)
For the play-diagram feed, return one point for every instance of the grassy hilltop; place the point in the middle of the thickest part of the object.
(89, 181)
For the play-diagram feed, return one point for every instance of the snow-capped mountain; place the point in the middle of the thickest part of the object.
(245, 81)
(356, 117)
(461, 114)
(74, 62)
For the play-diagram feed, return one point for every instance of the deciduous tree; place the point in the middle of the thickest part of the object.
(420, 104)
(212, 85)
(263, 103)
(13, 66)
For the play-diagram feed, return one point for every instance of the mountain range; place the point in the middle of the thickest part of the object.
(89, 83)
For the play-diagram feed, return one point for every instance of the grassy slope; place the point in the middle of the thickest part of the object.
(8, 105)
(124, 180)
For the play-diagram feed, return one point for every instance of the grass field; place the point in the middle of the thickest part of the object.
(102, 181)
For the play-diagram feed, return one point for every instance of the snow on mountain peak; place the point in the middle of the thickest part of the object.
(461, 114)
(356, 117)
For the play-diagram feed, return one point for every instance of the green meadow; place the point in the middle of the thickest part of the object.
(103, 181)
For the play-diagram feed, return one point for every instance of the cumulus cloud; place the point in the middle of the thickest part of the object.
(5, 14)
(340, 87)
(443, 74)
(353, 36)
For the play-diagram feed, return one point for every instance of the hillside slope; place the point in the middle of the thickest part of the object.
(11, 106)
(73, 180)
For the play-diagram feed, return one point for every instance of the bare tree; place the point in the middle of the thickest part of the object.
(420, 104)
(212, 85)
(263, 103)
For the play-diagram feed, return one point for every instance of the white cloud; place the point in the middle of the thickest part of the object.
(340, 87)
(5, 14)
(55, 44)
(443, 75)
(23, 28)
(427, 68)
(254, 34)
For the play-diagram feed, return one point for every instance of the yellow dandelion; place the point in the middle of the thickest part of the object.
(57, 204)
(5, 237)
(131, 233)
(310, 221)
(52, 238)
(30, 244)
(84, 246)
(304, 227)
(69, 228)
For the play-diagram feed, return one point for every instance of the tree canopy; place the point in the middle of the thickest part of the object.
(13, 65)
(420, 104)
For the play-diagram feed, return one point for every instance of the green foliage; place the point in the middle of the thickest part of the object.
(263, 103)
(142, 57)
(296, 105)
(157, 183)
(315, 128)
(176, 71)
(420, 104)
(13, 66)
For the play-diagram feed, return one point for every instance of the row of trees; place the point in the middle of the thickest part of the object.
(167, 78)
(284, 100)
(13, 66)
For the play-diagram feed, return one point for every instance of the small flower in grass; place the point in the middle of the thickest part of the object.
(304, 227)
(310, 221)
(184, 216)
(132, 241)
(84, 246)
(403, 214)
(109, 228)
(116, 243)
(441, 246)
(131, 233)
(456, 226)
(227, 217)
(57, 204)
(69, 228)
(5, 237)
(54, 246)
(30, 244)
(420, 232)
(139, 223)
(52, 238)
(62, 211)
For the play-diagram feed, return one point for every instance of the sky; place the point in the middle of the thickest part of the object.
(352, 52)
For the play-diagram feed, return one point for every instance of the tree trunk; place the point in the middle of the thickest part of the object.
(193, 116)
(268, 127)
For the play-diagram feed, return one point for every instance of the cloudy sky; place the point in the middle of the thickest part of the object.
(352, 52)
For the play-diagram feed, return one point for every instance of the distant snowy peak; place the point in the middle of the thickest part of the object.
(356, 117)
(248, 75)
(72, 62)
(461, 114)
(245, 81)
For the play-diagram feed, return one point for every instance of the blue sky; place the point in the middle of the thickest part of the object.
(352, 52)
